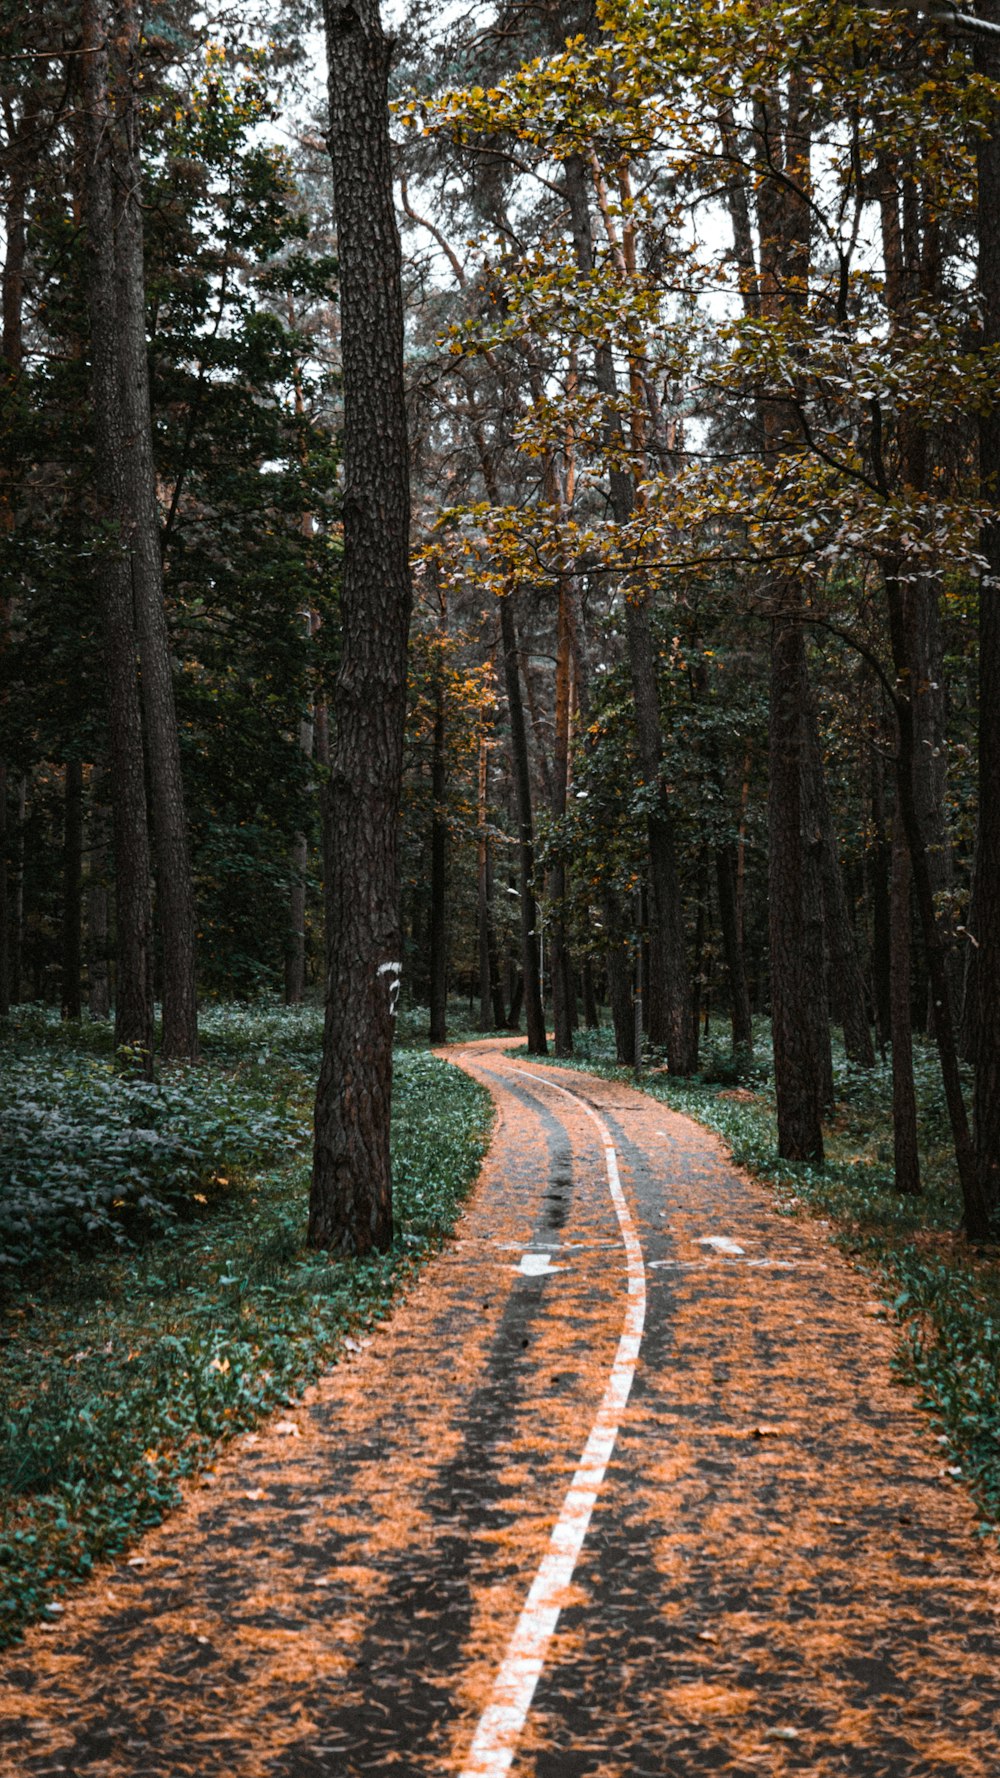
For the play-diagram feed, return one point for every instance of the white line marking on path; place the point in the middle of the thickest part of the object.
(537, 1265)
(495, 1741)
(721, 1243)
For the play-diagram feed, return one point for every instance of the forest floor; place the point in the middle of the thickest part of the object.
(436, 1562)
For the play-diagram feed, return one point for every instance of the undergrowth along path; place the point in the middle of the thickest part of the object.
(776, 1575)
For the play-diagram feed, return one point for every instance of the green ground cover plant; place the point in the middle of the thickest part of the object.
(158, 1295)
(942, 1295)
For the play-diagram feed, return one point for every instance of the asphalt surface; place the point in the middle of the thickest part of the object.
(777, 1575)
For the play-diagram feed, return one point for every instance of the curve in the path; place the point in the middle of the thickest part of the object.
(775, 1575)
(499, 1730)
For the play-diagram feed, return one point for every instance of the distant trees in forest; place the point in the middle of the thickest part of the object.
(701, 351)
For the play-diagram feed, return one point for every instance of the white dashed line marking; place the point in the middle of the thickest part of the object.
(495, 1741)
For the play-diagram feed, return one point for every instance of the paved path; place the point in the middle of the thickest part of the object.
(438, 1564)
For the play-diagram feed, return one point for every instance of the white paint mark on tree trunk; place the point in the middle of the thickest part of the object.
(395, 973)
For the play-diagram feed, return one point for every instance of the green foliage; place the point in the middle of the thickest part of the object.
(85, 1148)
(123, 1371)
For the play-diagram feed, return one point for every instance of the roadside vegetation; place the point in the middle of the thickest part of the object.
(156, 1292)
(941, 1292)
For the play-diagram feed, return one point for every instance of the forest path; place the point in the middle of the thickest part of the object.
(777, 1575)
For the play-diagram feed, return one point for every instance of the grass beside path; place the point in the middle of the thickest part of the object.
(156, 1293)
(942, 1295)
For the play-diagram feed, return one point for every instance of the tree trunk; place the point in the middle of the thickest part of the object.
(669, 1007)
(98, 983)
(516, 1002)
(699, 983)
(562, 987)
(987, 876)
(5, 922)
(591, 1015)
(670, 1022)
(141, 531)
(491, 1007)
(15, 850)
(617, 957)
(11, 355)
(845, 970)
(72, 911)
(797, 1071)
(814, 919)
(133, 906)
(878, 868)
(350, 1207)
(534, 1015)
(439, 871)
(739, 995)
(975, 1208)
(904, 1099)
(295, 951)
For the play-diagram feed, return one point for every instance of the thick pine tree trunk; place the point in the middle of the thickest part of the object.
(11, 359)
(133, 904)
(4, 899)
(987, 885)
(350, 1207)
(531, 973)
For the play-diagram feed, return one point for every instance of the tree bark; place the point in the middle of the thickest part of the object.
(732, 946)
(797, 1068)
(975, 1208)
(98, 982)
(492, 1015)
(350, 1207)
(592, 1018)
(618, 960)
(845, 969)
(987, 871)
(878, 869)
(904, 1099)
(534, 1015)
(295, 950)
(4, 899)
(11, 356)
(139, 525)
(72, 911)
(133, 904)
(562, 987)
(669, 1008)
(439, 875)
